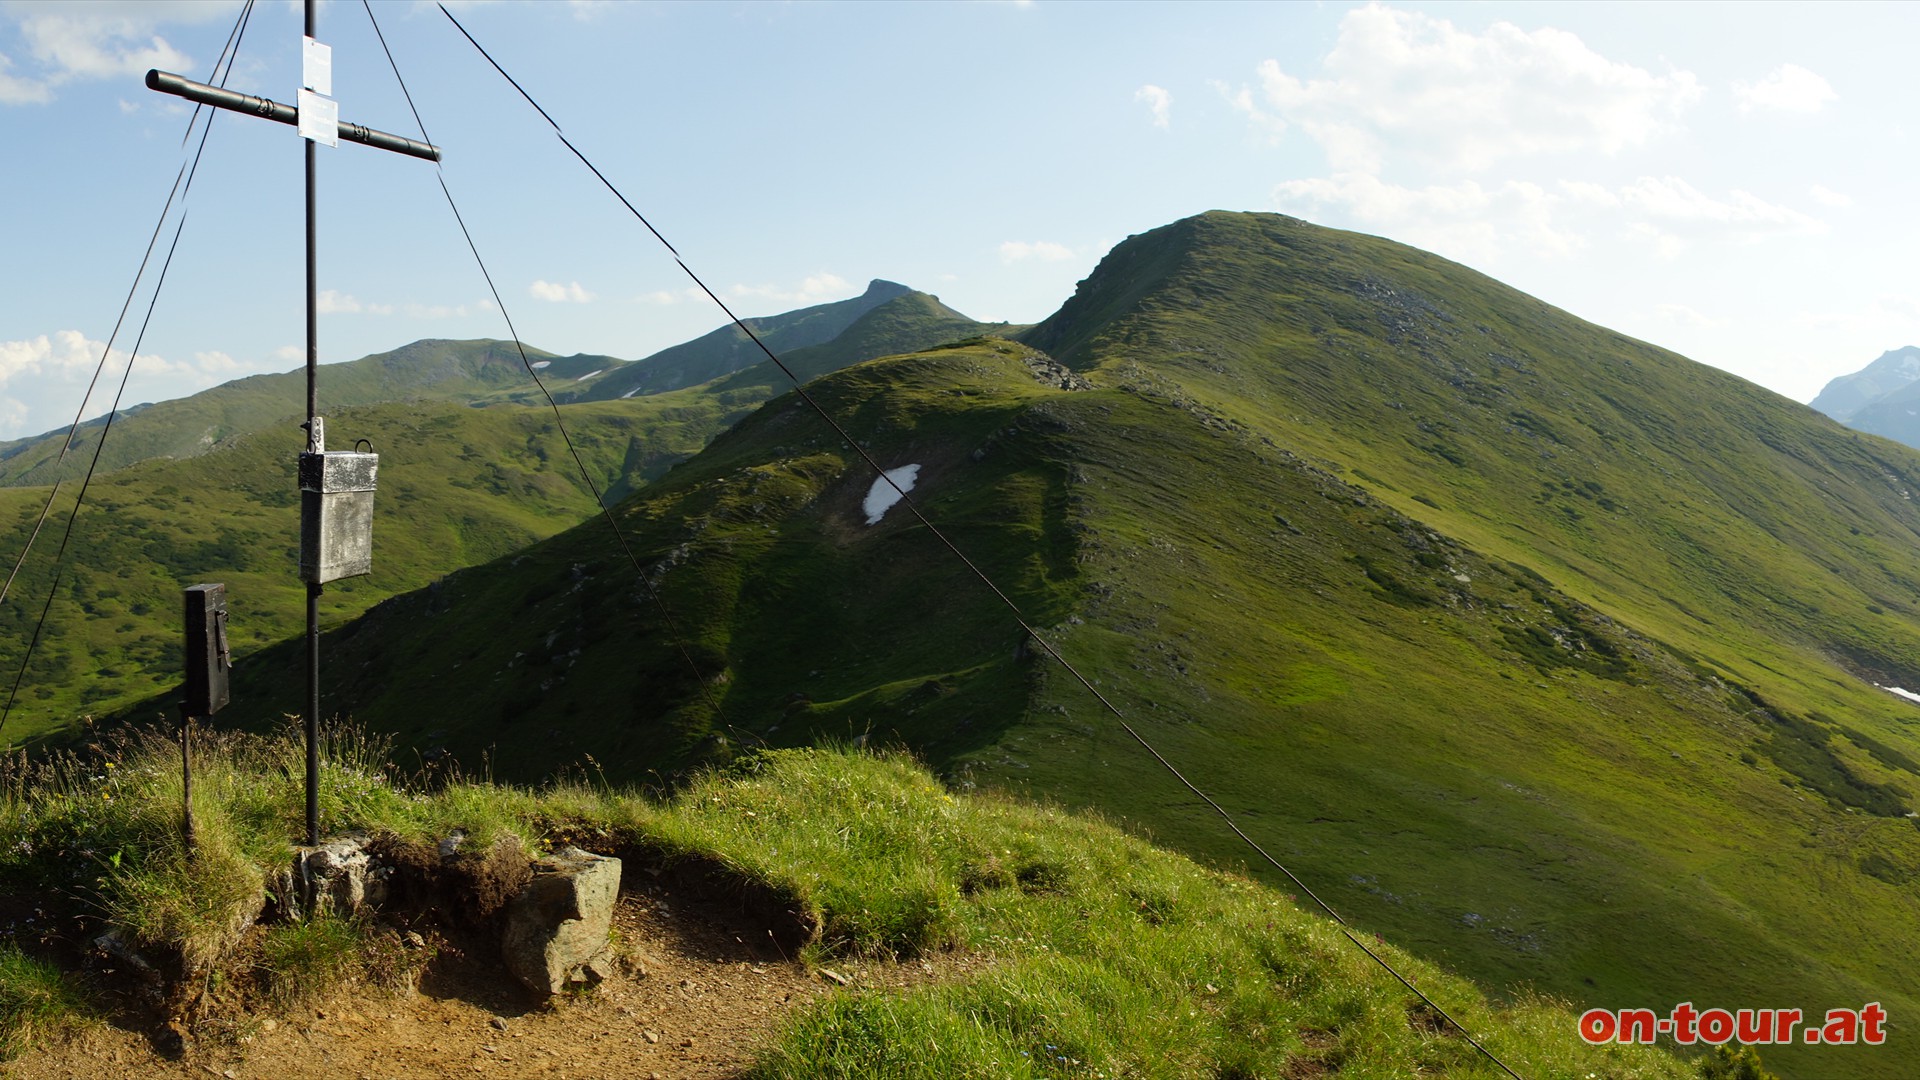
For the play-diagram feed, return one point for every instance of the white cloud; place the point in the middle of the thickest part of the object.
(413, 310)
(1676, 204)
(1264, 124)
(334, 302)
(1904, 306)
(1416, 84)
(13, 418)
(668, 296)
(50, 356)
(15, 90)
(1159, 104)
(68, 42)
(1013, 251)
(293, 354)
(1682, 315)
(1463, 220)
(1473, 221)
(44, 376)
(1788, 88)
(1823, 320)
(1826, 196)
(554, 292)
(217, 363)
(816, 289)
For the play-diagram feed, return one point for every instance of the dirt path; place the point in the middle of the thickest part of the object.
(692, 998)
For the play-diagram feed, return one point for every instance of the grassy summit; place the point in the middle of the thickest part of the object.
(1550, 653)
(1088, 952)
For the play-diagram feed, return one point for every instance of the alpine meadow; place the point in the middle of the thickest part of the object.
(1556, 660)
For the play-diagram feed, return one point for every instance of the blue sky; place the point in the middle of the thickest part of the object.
(1730, 181)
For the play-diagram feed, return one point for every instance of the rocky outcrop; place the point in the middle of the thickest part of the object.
(556, 932)
(338, 877)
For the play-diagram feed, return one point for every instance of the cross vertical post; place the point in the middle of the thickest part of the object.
(336, 489)
(316, 444)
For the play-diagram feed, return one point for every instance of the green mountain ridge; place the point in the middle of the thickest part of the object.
(429, 370)
(728, 349)
(1546, 652)
(904, 324)
(459, 485)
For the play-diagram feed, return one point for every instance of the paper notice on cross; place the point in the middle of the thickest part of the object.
(319, 118)
(316, 66)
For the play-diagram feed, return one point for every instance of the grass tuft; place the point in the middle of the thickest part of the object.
(35, 1001)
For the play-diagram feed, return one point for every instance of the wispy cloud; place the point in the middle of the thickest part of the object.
(589, 10)
(1159, 104)
(1013, 251)
(1670, 203)
(18, 90)
(1788, 88)
(334, 302)
(1465, 219)
(1904, 306)
(47, 374)
(671, 296)
(73, 42)
(1470, 220)
(1682, 315)
(1826, 196)
(554, 292)
(1406, 83)
(814, 289)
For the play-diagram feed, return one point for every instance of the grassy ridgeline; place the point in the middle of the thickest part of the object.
(1108, 956)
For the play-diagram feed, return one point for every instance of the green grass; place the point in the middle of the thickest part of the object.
(1504, 630)
(309, 960)
(458, 486)
(1464, 755)
(1093, 953)
(36, 1001)
(202, 489)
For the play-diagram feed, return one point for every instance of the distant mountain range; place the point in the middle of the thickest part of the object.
(202, 488)
(1883, 397)
(888, 317)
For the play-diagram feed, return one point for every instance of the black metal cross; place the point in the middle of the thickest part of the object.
(313, 98)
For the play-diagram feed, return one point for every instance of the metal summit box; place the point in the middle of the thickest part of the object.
(336, 515)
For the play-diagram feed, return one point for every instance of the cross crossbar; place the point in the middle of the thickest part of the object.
(220, 98)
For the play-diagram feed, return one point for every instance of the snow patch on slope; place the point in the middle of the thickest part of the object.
(882, 495)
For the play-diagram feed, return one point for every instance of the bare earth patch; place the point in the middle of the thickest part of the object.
(693, 996)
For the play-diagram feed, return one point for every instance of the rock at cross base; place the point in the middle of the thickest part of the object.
(556, 934)
(336, 878)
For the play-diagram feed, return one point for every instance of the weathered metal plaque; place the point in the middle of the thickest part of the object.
(336, 515)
